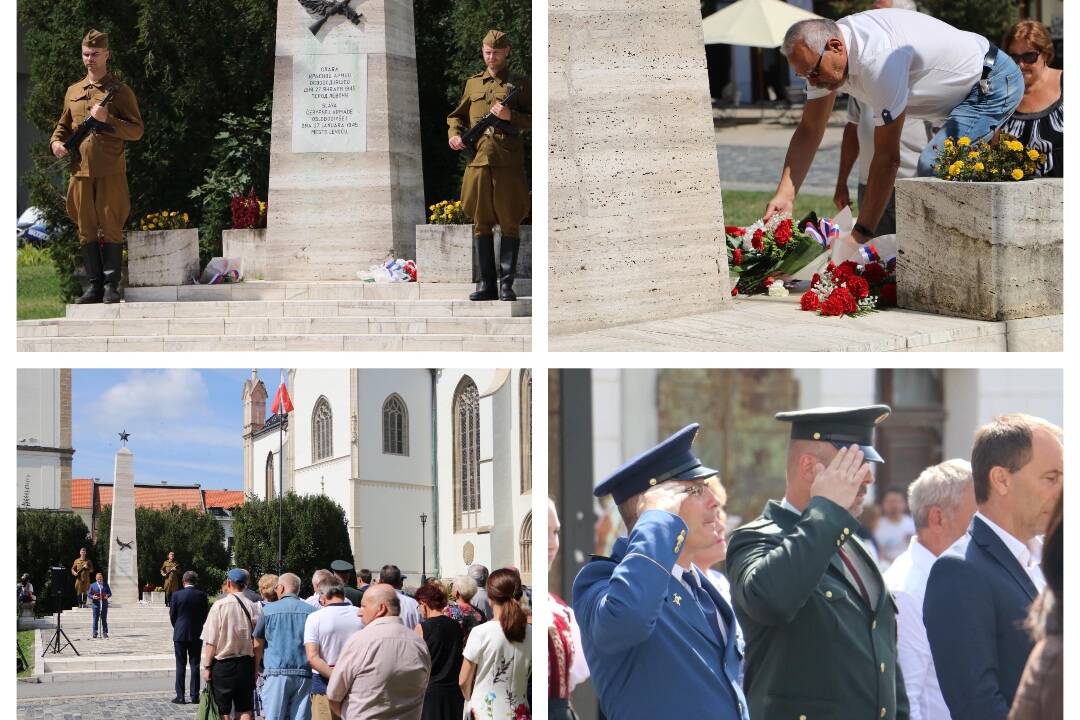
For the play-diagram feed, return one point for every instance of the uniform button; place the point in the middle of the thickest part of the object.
(882, 712)
(828, 593)
(882, 667)
(802, 717)
(873, 625)
(847, 531)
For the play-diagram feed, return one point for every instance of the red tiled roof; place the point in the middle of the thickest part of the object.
(81, 492)
(223, 498)
(156, 497)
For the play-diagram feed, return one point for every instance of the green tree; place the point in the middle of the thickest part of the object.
(189, 62)
(314, 534)
(47, 538)
(195, 536)
(448, 38)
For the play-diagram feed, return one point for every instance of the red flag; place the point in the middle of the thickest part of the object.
(282, 401)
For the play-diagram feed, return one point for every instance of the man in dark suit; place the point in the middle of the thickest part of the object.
(820, 624)
(979, 591)
(187, 613)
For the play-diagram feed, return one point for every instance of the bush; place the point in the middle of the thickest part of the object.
(188, 62)
(32, 256)
(314, 534)
(195, 536)
(45, 538)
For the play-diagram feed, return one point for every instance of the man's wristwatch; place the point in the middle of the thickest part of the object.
(863, 230)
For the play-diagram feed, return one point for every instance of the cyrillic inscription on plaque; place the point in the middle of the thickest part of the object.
(124, 565)
(329, 103)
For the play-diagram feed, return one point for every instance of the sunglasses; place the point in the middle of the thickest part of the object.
(813, 74)
(1028, 58)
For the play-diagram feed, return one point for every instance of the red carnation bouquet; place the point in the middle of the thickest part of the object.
(765, 252)
(851, 289)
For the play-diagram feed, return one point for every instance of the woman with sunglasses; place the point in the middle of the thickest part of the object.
(1039, 121)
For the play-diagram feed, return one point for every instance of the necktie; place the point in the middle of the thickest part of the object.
(858, 581)
(707, 606)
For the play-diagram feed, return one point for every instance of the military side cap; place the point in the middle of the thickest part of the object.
(670, 460)
(96, 39)
(496, 39)
(839, 426)
(341, 566)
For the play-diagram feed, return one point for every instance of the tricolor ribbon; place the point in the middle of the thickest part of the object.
(824, 232)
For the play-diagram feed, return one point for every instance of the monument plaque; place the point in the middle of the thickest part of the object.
(329, 103)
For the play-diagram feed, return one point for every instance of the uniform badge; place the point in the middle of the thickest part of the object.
(679, 540)
(677, 599)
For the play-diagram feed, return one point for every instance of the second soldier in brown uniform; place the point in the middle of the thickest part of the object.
(493, 189)
(97, 199)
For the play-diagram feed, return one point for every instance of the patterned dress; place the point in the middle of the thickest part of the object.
(1045, 131)
(560, 659)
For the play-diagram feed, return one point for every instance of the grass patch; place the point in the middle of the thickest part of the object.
(26, 643)
(38, 292)
(744, 207)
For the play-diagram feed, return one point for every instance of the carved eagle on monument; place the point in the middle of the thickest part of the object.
(327, 9)
(126, 545)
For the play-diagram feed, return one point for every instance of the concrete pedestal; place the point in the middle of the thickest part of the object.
(636, 222)
(444, 253)
(986, 251)
(157, 258)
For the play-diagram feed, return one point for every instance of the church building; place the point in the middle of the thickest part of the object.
(432, 466)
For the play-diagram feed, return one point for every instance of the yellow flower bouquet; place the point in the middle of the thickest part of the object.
(447, 212)
(164, 220)
(1005, 160)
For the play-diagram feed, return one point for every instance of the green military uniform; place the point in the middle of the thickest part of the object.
(820, 624)
(97, 199)
(493, 189)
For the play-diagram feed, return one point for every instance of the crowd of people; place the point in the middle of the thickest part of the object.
(806, 621)
(368, 651)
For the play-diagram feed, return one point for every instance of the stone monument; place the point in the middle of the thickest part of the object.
(346, 181)
(635, 216)
(123, 548)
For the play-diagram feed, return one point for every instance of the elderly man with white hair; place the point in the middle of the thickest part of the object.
(942, 502)
(901, 66)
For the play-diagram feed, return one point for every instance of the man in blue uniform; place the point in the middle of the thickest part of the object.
(820, 624)
(659, 640)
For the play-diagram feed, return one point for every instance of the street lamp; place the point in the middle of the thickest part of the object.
(423, 546)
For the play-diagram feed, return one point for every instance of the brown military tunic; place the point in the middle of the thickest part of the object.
(83, 570)
(171, 572)
(493, 189)
(97, 198)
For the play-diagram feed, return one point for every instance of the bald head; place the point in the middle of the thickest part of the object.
(290, 583)
(382, 594)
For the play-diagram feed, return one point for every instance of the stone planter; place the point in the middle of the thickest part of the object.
(248, 246)
(444, 254)
(160, 258)
(985, 251)
(157, 598)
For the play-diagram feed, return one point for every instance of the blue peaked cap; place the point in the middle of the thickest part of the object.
(670, 460)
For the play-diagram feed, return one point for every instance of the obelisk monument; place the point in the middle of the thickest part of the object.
(123, 549)
(346, 180)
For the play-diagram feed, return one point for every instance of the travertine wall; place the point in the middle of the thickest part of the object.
(987, 251)
(332, 214)
(636, 222)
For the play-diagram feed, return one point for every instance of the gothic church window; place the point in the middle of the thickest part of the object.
(270, 479)
(322, 422)
(525, 546)
(526, 431)
(466, 411)
(395, 424)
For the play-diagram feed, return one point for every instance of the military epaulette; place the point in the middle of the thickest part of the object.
(594, 558)
(479, 74)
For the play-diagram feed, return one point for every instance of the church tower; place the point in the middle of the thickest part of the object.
(254, 401)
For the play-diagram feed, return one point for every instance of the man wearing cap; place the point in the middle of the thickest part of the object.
(343, 569)
(659, 639)
(97, 198)
(494, 190)
(820, 624)
(228, 655)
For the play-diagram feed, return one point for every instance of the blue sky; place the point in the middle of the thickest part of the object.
(185, 424)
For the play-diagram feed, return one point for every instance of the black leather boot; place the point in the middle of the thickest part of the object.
(91, 257)
(112, 255)
(485, 254)
(508, 257)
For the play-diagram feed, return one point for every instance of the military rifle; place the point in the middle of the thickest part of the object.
(490, 119)
(87, 126)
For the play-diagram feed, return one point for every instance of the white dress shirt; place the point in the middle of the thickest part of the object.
(906, 578)
(905, 61)
(1028, 556)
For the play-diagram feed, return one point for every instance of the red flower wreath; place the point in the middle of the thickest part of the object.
(757, 242)
(810, 300)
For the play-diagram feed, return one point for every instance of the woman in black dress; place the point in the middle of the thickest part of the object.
(443, 700)
(1039, 121)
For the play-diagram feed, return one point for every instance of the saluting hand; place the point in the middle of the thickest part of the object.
(456, 143)
(99, 113)
(667, 496)
(841, 480)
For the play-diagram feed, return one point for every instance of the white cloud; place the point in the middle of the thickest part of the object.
(156, 395)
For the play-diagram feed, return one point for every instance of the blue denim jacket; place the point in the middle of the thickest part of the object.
(281, 627)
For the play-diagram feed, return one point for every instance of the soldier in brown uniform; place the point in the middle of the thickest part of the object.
(493, 190)
(97, 199)
(83, 570)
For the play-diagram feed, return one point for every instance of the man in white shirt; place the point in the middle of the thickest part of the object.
(980, 590)
(325, 633)
(902, 65)
(410, 609)
(894, 528)
(942, 500)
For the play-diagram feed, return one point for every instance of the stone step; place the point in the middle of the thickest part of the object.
(327, 290)
(54, 664)
(358, 342)
(303, 308)
(83, 676)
